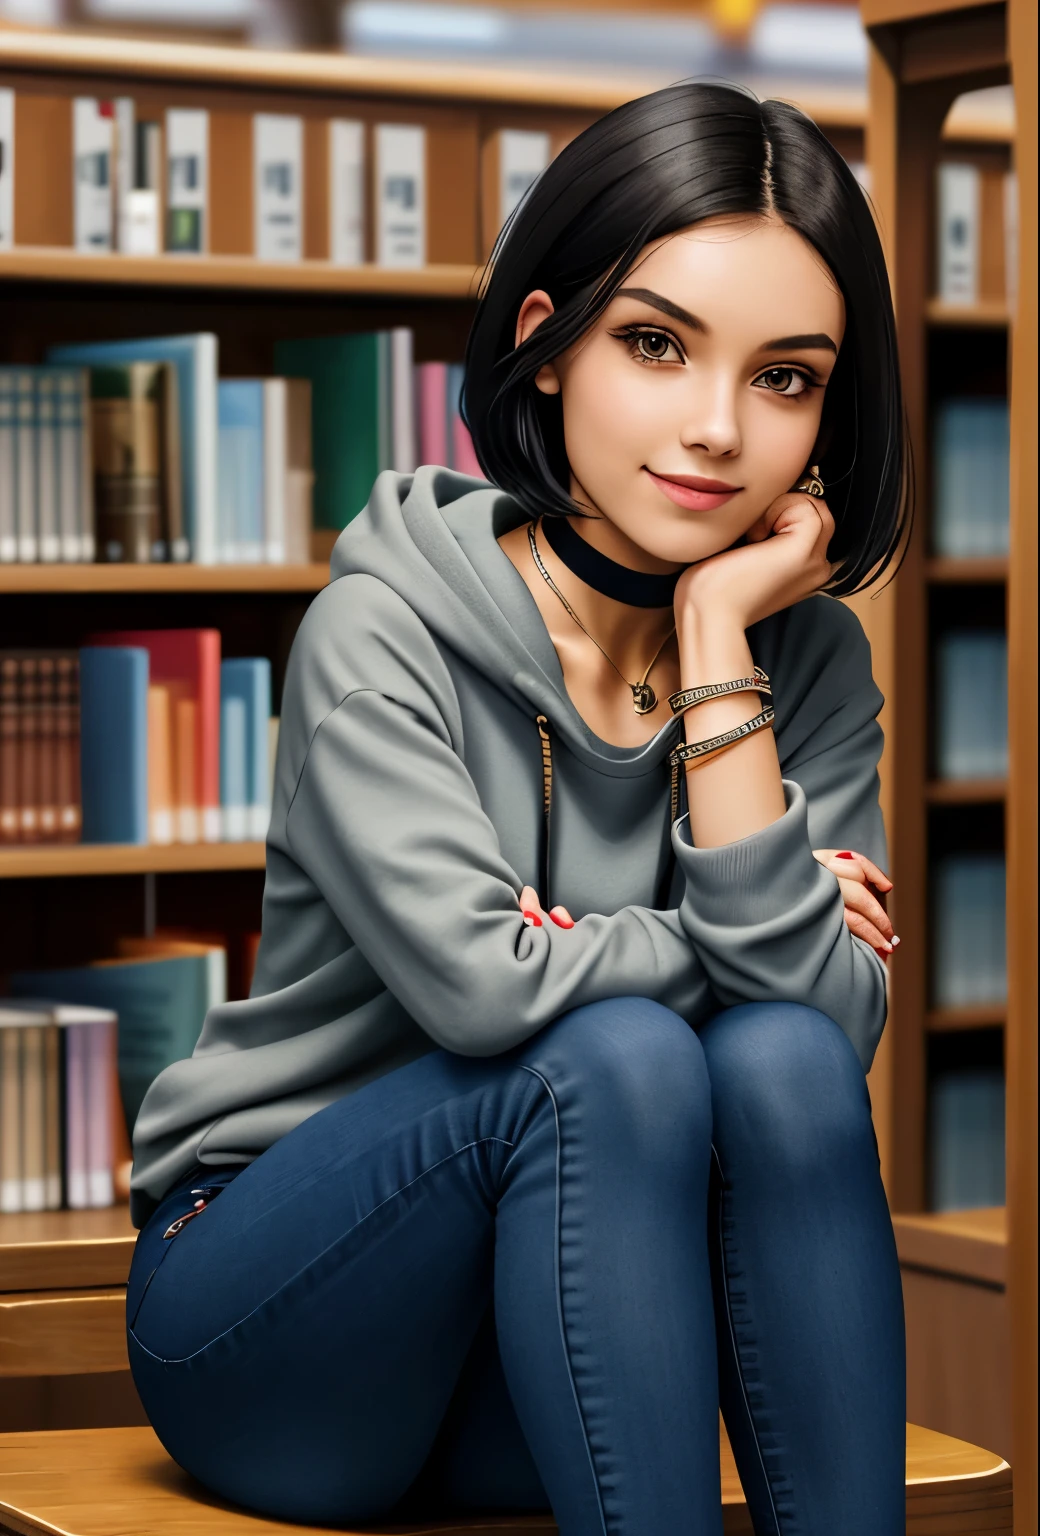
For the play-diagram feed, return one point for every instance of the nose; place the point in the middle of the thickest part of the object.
(711, 422)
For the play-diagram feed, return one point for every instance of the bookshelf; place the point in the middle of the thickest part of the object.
(978, 1314)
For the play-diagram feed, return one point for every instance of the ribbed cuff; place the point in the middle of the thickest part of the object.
(756, 878)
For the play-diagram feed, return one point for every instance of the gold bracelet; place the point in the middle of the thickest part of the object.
(698, 750)
(686, 698)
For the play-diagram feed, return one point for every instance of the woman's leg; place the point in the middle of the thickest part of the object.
(297, 1345)
(809, 1308)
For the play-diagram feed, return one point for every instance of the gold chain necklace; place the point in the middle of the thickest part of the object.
(644, 699)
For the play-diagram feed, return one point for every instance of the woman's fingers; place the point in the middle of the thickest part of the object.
(858, 924)
(868, 909)
(849, 865)
(535, 915)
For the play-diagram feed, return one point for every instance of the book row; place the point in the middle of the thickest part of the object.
(141, 736)
(971, 704)
(966, 1139)
(138, 451)
(976, 233)
(971, 459)
(142, 180)
(79, 1048)
(969, 931)
(59, 1106)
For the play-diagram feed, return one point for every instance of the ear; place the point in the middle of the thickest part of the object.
(537, 307)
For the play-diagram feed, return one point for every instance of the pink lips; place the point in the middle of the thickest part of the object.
(694, 492)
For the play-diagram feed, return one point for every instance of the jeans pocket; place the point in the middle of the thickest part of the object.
(152, 1245)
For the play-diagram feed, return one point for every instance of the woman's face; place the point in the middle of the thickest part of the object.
(695, 400)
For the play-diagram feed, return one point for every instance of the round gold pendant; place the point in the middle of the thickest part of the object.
(644, 699)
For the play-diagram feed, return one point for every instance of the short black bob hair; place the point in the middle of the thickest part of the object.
(649, 168)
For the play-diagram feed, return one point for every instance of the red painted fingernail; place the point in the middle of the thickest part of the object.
(845, 854)
(533, 919)
(559, 921)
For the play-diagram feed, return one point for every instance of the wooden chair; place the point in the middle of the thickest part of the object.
(120, 1482)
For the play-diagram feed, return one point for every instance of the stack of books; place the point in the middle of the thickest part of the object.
(971, 704)
(143, 736)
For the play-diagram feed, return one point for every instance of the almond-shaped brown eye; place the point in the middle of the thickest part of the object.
(654, 344)
(783, 381)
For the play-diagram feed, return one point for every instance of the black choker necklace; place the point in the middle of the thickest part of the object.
(639, 588)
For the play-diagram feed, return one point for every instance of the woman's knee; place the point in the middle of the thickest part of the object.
(788, 1076)
(639, 1062)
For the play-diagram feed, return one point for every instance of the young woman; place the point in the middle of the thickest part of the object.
(545, 1129)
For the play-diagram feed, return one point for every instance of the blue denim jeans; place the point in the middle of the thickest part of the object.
(528, 1281)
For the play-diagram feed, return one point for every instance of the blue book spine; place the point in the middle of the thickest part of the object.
(240, 474)
(114, 743)
(247, 681)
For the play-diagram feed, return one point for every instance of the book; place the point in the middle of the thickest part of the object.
(463, 455)
(277, 187)
(957, 235)
(25, 464)
(969, 937)
(141, 214)
(966, 1139)
(6, 169)
(48, 542)
(346, 192)
(124, 147)
(187, 181)
(8, 470)
(345, 374)
(971, 704)
(403, 448)
(127, 407)
(245, 709)
(93, 140)
(67, 747)
(75, 466)
(114, 743)
(161, 768)
(10, 726)
(400, 194)
(240, 470)
(10, 1111)
(432, 389)
(192, 531)
(522, 157)
(971, 472)
(160, 999)
(187, 661)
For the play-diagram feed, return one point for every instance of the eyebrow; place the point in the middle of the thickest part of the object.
(818, 340)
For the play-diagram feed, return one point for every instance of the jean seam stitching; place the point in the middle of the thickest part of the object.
(182, 1359)
(559, 1298)
(733, 1343)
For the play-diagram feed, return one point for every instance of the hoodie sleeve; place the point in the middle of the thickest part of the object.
(766, 919)
(384, 818)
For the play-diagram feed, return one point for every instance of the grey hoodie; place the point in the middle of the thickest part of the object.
(430, 763)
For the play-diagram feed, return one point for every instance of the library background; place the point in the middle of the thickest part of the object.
(240, 245)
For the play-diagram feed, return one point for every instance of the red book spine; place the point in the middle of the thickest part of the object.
(9, 788)
(28, 751)
(66, 733)
(47, 745)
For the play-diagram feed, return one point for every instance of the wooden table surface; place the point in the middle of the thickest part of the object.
(120, 1482)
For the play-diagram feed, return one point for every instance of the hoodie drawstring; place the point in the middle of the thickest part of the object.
(543, 861)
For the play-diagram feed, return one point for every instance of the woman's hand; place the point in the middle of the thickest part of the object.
(535, 915)
(783, 560)
(864, 913)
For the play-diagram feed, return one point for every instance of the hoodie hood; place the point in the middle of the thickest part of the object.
(431, 537)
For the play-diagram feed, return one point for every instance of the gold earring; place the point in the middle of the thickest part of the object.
(811, 483)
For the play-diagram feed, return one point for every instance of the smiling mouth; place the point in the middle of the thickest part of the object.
(695, 492)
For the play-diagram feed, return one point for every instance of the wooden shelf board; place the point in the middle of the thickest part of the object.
(41, 862)
(57, 1250)
(162, 578)
(875, 13)
(971, 1016)
(971, 1244)
(984, 314)
(948, 570)
(966, 791)
(346, 75)
(58, 264)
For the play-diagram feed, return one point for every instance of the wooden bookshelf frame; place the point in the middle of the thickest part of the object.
(924, 54)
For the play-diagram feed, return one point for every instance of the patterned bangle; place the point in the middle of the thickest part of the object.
(695, 751)
(680, 702)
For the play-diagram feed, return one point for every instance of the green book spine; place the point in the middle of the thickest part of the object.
(345, 377)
